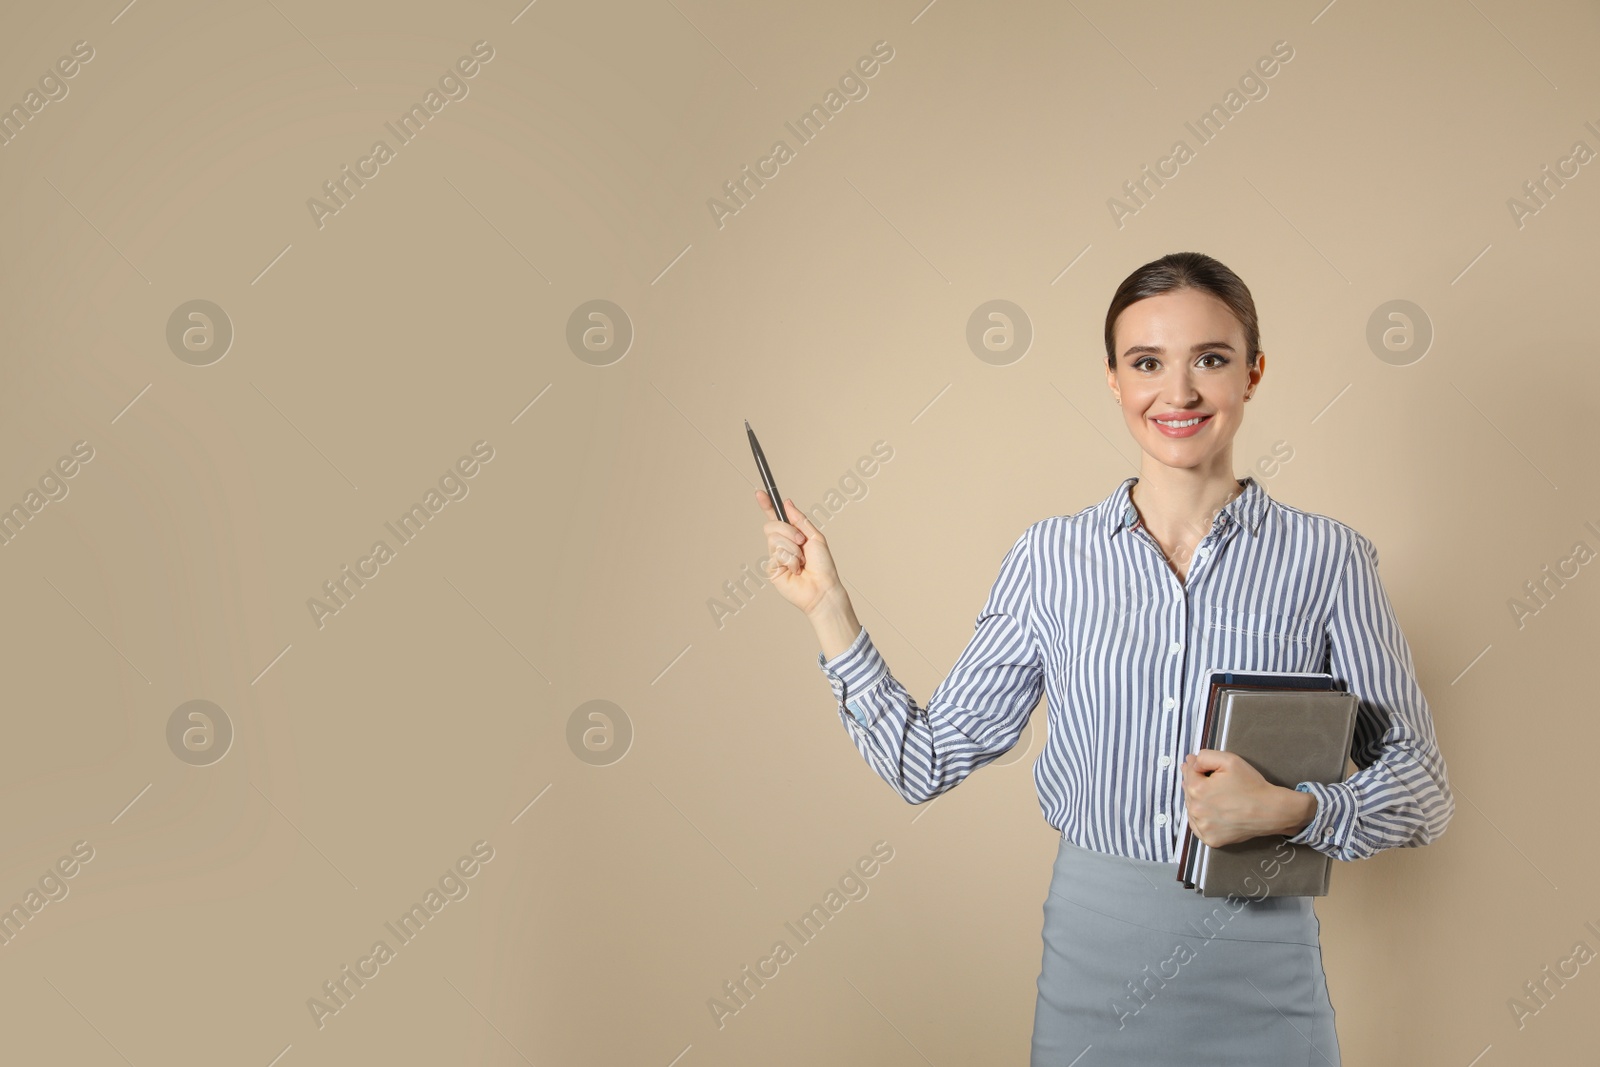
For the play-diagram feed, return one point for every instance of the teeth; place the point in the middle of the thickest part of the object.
(1185, 422)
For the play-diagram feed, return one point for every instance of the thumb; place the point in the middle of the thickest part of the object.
(1207, 760)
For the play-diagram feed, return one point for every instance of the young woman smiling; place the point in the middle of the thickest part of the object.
(1117, 612)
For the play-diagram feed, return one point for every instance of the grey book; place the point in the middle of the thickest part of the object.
(1290, 735)
(1218, 680)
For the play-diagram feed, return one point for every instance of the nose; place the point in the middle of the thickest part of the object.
(1179, 387)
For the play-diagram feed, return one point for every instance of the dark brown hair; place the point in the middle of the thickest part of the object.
(1186, 270)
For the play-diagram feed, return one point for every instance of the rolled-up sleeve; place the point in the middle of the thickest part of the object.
(1399, 796)
(975, 715)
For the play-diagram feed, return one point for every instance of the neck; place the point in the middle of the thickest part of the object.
(1177, 503)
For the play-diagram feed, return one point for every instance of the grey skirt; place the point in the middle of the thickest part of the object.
(1139, 970)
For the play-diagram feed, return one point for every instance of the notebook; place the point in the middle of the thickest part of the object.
(1292, 727)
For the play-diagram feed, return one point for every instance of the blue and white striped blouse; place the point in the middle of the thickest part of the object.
(1087, 610)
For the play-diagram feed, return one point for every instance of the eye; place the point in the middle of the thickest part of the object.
(1222, 359)
(1138, 364)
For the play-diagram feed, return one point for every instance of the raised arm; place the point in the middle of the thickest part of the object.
(975, 715)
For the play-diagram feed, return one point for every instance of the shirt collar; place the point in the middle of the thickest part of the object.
(1247, 509)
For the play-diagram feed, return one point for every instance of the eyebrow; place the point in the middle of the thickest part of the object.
(1158, 350)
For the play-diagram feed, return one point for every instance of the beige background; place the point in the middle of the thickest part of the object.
(369, 354)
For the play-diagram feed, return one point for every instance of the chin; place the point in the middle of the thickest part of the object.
(1178, 454)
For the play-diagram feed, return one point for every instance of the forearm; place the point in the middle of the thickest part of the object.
(888, 729)
(1401, 800)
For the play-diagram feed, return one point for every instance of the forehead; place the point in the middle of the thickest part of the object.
(1178, 318)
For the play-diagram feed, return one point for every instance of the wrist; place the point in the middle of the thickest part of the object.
(832, 605)
(1298, 809)
(835, 623)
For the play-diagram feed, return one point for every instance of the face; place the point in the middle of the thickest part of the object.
(1180, 356)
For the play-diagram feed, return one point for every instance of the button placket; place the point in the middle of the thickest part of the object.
(1170, 717)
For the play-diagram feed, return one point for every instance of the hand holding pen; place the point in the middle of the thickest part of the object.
(799, 562)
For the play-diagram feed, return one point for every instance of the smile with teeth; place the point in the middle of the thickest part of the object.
(1182, 427)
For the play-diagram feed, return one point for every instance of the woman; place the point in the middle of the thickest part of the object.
(1117, 612)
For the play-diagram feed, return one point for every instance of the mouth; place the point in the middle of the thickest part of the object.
(1182, 427)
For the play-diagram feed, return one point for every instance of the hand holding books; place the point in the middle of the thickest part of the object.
(1286, 728)
(1229, 801)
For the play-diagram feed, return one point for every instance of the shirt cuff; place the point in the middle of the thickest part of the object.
(1331, 826)
(852, 672)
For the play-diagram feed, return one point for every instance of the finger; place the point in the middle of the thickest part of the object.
(784, 560)
(765, 503)
(801, 519)
(780, 540)
(789, 530)
(781, 535)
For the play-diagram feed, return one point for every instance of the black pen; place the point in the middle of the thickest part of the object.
(766, 472)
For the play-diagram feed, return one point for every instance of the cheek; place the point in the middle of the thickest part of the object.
(1231, 395)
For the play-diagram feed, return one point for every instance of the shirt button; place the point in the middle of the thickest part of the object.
(1177, 646)
(1129, 515)
(1161, 820)
(1171, 702)
(1164, 761)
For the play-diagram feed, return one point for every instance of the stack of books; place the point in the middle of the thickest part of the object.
(1293, 727)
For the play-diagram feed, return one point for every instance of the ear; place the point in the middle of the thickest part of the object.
(1257, 370)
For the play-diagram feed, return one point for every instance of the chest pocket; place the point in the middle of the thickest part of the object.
(1262, 641)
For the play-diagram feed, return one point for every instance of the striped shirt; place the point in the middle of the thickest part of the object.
(1087, 611)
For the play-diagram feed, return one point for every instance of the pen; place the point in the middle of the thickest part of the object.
(766, 473)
